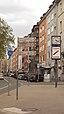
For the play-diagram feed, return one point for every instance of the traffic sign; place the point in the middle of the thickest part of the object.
(9, 53)
(55, 52)
(56, 47)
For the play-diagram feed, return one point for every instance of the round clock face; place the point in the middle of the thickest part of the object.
(56, 40)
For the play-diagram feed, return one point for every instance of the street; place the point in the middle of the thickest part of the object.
(4, 85)
(37, 98)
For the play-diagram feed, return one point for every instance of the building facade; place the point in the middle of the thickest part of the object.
(26, 50)
(35, 34)
(42, 40)
(14, 60)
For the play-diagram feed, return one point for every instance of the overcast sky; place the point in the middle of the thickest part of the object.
(21, 15)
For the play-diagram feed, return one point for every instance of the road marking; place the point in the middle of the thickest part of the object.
(5, 80)
(6, 85)
(15, 110)
(3, 87)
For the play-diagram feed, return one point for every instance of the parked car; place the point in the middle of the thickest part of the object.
(21, 76)
(41, 78)
(12, 74)
(1, 76)
(35, 78)
(5, 73)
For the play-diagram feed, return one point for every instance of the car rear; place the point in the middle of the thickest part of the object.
(1, 76)
(33, 78)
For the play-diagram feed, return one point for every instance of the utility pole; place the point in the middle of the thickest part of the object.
(56, 72)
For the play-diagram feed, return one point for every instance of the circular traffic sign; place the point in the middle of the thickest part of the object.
(9, 52)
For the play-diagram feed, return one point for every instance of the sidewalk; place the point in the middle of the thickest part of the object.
(34, 99)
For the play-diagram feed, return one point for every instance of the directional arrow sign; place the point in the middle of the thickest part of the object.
(9, 53)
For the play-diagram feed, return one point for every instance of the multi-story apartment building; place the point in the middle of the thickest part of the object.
(14, 60)
(35, 34)
(53, 23)
(42, 40)
(60, 10)
(26, 49)
(51, 29)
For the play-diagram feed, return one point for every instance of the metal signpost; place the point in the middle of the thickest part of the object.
(17, 71)
(9, 54)
(56, 54)
(38, 65)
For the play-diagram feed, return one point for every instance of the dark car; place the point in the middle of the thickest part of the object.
(41, 78)
(5, 73)
(33, 78)
(22, 76)
(36, 78)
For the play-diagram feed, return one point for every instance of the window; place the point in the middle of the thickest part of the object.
(37, 40)
(61, 7)
(55, 30)
(52, 16)
(37, 31)
(42, 58)
(37, 58)
(42, 27)
(52, 28)
(48, 21)
(48, 55)
(37, 48)
(48, 31)
(29, 48)
(42, 37)
(42, 48)
(60, 27)
(48, 43)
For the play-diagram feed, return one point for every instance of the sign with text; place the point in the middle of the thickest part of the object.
(56, 47)
(55, 52)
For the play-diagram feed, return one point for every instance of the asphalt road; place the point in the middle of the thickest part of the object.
(4, 85)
